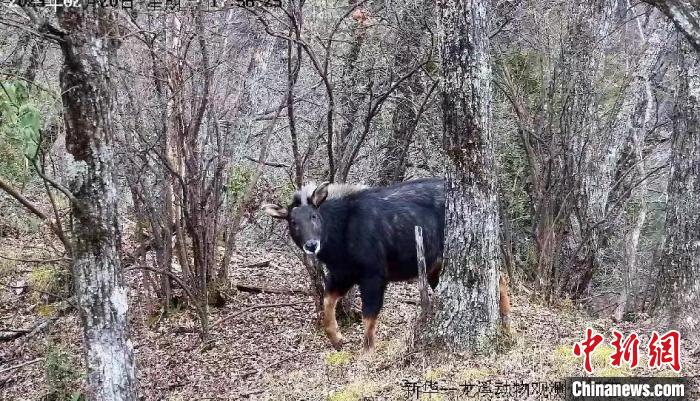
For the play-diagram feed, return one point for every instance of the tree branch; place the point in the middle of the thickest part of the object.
(5, 186)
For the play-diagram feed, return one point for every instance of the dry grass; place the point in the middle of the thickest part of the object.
(278, 354)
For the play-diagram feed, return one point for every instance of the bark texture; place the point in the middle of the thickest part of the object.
(89, 110)
(685, 15)
(679, 285)
(642, 107)
(465, 314)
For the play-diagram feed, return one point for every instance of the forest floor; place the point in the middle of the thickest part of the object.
(273, 351)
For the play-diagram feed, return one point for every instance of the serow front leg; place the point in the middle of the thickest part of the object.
(330, 325)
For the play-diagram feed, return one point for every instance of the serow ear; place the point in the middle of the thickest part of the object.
(320, 194)
(276, 211)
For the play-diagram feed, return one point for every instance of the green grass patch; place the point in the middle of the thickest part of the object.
(338, 358)
(62, 375)
(600, 357)
(354, 391)
(46, 281)
(565, 361)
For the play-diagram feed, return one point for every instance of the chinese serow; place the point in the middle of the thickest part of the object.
(365, 236)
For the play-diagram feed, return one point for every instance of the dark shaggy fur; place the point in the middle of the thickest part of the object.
(366, 237)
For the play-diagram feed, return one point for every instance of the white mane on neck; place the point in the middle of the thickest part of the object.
(335, 191)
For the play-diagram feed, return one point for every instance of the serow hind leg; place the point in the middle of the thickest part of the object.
(372, 294)
(370, 325)
(434, 273)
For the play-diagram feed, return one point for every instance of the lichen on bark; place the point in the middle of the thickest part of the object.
(89, 109)
(465, 314)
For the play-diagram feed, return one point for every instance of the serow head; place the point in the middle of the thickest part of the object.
(303, 217)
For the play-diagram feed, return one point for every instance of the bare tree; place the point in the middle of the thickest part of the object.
(570, 116)
(88, 46)
(412, 98)
(465, 315)
(678, 289)
(639, 115)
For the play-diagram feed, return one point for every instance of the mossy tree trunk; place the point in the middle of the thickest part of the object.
(88, 103)
(465, 313)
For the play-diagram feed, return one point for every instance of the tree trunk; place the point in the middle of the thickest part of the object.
(89, 107)
(404, 121)
(164, 253)
(679, 285)
(465, 314)
(644, 105)
(685, 14)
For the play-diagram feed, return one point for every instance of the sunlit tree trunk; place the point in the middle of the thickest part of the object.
(465, 314)
(89, 111)
(678, 291)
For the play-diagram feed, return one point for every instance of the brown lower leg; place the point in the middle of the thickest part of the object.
(370, 324)
(504, 302)
(329, 323)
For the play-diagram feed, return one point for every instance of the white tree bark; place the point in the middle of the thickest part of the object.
(643, 105)
(679, 285)
(465, 314)
(685, 14)
(88, 104)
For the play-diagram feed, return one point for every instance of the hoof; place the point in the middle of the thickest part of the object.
(337, 343)
(368, 347)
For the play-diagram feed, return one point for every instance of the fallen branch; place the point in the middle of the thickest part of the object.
(31, 333)
(33, 361)
(5, 186)
(36, 260)
(60, 311)
(172, 386)
(260, 289)
(253, 392)
(250, 308)
(281, 361)
(266, 163)
(54, 225)
(264, 263)
(11, 334)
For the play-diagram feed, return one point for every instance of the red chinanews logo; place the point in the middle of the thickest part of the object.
(662, 350)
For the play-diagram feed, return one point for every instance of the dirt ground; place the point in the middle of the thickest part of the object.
(266, 347)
